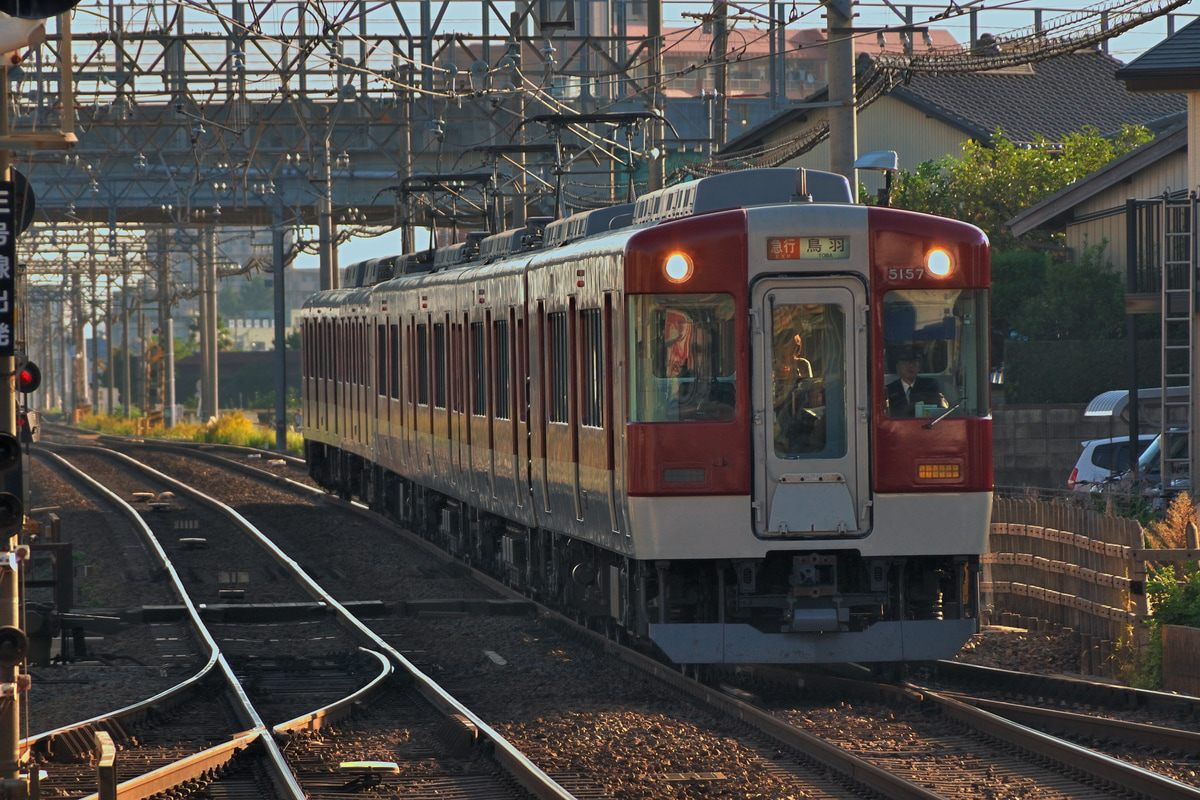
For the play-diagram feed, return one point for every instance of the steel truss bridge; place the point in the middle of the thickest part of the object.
(172, 142)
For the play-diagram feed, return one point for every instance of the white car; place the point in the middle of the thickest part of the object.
(1102, 459)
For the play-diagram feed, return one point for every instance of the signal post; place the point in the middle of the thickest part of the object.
(22, 25)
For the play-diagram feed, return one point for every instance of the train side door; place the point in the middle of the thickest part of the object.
(811, 409)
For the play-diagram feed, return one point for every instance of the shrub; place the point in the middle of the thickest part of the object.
(231, 428)
(1173, 592)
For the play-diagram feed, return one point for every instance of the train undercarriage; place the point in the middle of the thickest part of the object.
(829, 606)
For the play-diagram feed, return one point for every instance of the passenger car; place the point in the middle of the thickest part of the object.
(1152, 463)
(1103, 459)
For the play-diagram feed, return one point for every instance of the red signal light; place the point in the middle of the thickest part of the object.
(29, 378)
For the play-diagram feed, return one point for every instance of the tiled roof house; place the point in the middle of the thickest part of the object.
(933, 116)
(1093, 208)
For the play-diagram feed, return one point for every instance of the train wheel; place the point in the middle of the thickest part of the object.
(889, 671)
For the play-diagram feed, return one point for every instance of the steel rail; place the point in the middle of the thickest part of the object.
(1086, 725)
(528, 774)
(1077, 688)
(1119, 773)
(853, 767)
(154, 782)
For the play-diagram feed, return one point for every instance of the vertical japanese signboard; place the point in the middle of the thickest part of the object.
(8, 269)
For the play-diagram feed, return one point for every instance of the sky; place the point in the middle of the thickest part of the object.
(995, 16)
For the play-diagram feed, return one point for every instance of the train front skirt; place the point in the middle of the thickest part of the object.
(716, 643)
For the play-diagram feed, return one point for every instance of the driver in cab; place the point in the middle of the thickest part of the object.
(912, 390)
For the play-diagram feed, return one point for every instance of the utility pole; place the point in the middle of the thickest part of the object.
(109, 319)
(79, 382)
(280, 329)
(655, 129)
(329, 276)
(127, 383)
(519, 184)
(209, 330)
(166, 326)
(843, 124)
(720, 75)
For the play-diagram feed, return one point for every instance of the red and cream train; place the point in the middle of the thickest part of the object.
(673, 417)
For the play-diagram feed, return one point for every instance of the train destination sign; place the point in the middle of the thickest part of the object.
(803, 248)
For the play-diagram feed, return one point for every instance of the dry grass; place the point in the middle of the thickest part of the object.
(1170, 533)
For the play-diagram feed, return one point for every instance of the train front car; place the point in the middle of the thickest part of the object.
(808, 453)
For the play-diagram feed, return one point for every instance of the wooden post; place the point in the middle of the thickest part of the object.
(106, 766)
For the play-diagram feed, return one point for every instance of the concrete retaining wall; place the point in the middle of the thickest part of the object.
(1037, 445)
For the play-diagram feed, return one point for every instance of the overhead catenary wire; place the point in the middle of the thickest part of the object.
(1031, 45)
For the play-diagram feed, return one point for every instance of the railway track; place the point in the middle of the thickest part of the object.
(629, 730)
(278, 659)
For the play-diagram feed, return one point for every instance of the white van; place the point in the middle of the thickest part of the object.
(1102, 459)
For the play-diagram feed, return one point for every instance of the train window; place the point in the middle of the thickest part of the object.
(358, 349)
(559, 374)
(592, 363)
(808, 388)
(522, 356)
(323, 349)
(502, 368)
(439, 365)
(381, 360)
(423, 364)
(394, 361)
(455, 374)
(935, 352)
(478, 370)
(681, 358)
(352, 352)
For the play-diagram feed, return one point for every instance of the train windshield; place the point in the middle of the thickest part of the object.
(935, 352)
(681, 358)
(808, 387)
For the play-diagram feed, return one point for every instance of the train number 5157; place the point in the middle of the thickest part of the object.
(905, 273)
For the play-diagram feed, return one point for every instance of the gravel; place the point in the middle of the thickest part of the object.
(1041, 652)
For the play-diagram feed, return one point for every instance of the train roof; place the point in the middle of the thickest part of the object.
(506, 243)
(587, 223)
(742, 189)
(739, 189)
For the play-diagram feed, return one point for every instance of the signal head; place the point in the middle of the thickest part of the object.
(29, 377)
(14, 646)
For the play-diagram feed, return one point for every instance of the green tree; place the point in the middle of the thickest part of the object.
(989, 185)
(186, 347)
(1080, 300)
(224, 336)
(1017, 276)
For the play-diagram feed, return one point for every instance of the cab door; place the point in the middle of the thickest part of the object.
(811, 398)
